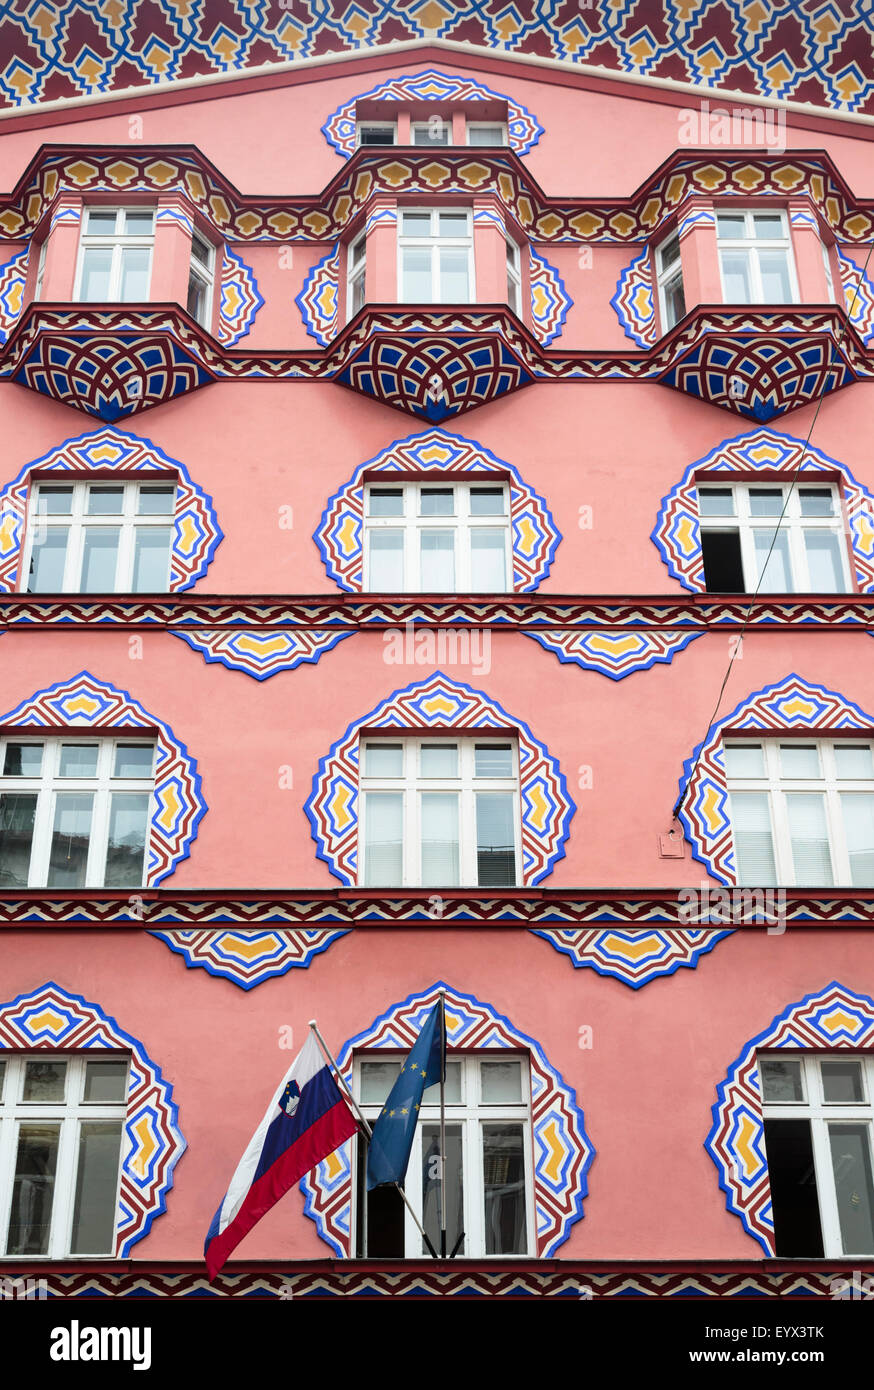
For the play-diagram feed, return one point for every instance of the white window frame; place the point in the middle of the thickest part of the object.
(128, 521)
(487, 125)
(820, 1113)
(204, 271)
(433, 241)
(103, 785)
(514, 276)
(750, 244)
(665, 273)
(41, 268)
(793, 524)
(355, 272)
(426, 127)
(376, 125)
(118, 241)
(461, 523)
(472, 1113)
(69, 1113)
(777, 786)
(411, 784)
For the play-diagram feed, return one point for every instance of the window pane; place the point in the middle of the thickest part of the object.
(47, 560)
(799, 760)
(453, 224)
(766, 501)
(853, 760)
(777, 577)
(156, 501)
(2, 1079)
(386, 501)
(439, 760)
(33, 1189)
(451, 1087)
(416, 223)
(736, 277)
(715, 501)
(96, 1181)
(485, 135)
(377, 1079)
(139, 222)
(383, 844)
(504, 1189)
(386, 561)
(729, 227)
(487, 501)
(44, 1082)
(753, 843)
(376, 135)
(438, 561)
(71, 836)
(416, 274)
(106, 1082)
(767, 226)
(99, 559)
(134, 273)
(842, 1082)
(437, 501)
(825, 572)
(126, 847)
(781, 1081)
(133, 760)
(197, 297)
(744, 759)
(17, 815)
(101, 221)
(488, 560)
(851, 1163)
(808, 830)
(384, 760)
(776, 285)
(858, 813)
(501, 1082)
(78, 760)
(151, 559)
(495, 839)
(96, 271)
(432, 134)
(105, 501)
(22, 760)
(675, 300)
(454, 282)
(792, 1177)
(440, 849)
(54, 501)
(431, 1186)
(817, 501)
(493, 760)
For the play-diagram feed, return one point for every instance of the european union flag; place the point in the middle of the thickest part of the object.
(389, 1150)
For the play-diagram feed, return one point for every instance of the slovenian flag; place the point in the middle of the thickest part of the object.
(306, 1120)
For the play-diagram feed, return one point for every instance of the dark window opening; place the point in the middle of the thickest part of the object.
(723, 567)
(797, 1228)
(380, 1234)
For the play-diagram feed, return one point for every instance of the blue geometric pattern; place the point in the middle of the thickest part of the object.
(550, 300)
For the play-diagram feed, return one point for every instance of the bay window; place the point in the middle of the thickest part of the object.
(99, 537)
(115, 255)
(61, 1121)
(439, 812)
(437, 537)
(74, 812)
(789, 536)
(802, 811)
(489, 1204)
(435, 256)
(818, 1118)
(755, 257)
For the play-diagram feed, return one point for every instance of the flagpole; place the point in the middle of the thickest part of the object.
(443, 1124)
(365, 1125)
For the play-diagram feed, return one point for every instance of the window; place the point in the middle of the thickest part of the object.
(439, 813)
(434, 131)
(200, 279)
(115, 255)
(802, 812)
(755, 258)
(739, 523)
(41, 269)
(60, 1143)
(669, 274)
(376, 133)
(74, 813)
(486, 133)
(355, 273)
(437, 538)
(99, 538)
(818, 1118)
(488, 1162)
(514, 277)
(436, 256)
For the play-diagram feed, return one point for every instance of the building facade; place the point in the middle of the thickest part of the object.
(436, 539)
